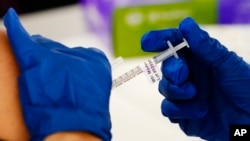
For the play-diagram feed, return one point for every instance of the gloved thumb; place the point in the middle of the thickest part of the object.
(208, 49)
(20, 40)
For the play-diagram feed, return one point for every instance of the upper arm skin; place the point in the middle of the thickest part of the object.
(12, 127)
(72, 136)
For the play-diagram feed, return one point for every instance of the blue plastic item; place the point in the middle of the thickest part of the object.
(206, 90)
(61, 88)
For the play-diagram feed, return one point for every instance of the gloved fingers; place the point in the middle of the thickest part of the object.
(76, 51)
(93, 55)
(97, 51)
(175, 70)
(90, 52)
(171, 91)
(156, 40)
(211, 51)
(23, 46)
(98, 60)
(101, 55)
(174, 84)
(174, 120)
(183, 109)
(48, 43)
(16, 33)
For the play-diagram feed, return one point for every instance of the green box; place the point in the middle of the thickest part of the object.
(130, 23)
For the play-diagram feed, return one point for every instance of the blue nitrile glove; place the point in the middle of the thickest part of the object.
(208, 88)
(61, 88)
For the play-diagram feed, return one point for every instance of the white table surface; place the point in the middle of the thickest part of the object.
(134, 106)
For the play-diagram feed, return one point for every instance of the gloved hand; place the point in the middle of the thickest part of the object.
(207, 89)
(61, 88)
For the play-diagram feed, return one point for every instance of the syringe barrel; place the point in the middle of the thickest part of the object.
(162, 56)
(148, 66)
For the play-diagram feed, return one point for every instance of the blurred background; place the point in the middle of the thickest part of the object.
(28, 6)
(116, 26)
(118, 21)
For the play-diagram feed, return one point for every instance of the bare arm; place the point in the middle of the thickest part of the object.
(72, 136)
(11, 120)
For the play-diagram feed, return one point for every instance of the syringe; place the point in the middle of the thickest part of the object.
(150, 67)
